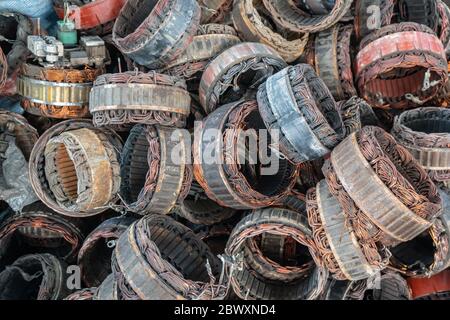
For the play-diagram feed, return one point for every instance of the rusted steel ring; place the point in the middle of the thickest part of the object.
(250, 25)
(401, 69)
(423, 12)
(153, 33)
(214, 11)
(338, 245)
(366, 164)
(371, 15)
(52, 285)
(153, 181)
(333, 62)
(436, 287)
(209, 42)
(42, 227)
(251, 270)
(92, 15)
(222, 82)
(227, 181)
(293, 18)
(424, 132)
(136, 97)
(160, 259)
(83, 294)
(39, 180)
(94, 257)
(297, 103)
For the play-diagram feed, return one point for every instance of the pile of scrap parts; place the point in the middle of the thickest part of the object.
(225, 149)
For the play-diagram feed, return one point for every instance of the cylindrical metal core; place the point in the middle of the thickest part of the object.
(34, 277)
(155, 169)
(436, 287)
(136, 97)
(425, 132)
(371, 15)
(297, 104)
(293, 18)
(255, 276)
(227, 165)
(214, 11)
(94, 257)
(56, 93)
(45, 185)
(39, 229)
(371, 172)
(386, 286)
(83, 294)
(158, 258)
(94, 17)
(154, 32)
(250, 25)
(400, 66)
(237, 72)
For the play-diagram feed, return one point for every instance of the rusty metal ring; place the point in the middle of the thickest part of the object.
(152, 180)
(236, 73)
(38, 178)
(436, 287)
(250, 25)
(50, 286)
(224, 178)
(136, 97)
(293, 18)
(153, 33)
(214, 11)
(278, 222)
(94, 257)
(401, 69)
(297, 103)
(172, 257)
(366, 10)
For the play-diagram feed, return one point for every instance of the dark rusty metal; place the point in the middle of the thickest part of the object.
(226, 180)
(214, 11)
(400, 66)
(136, 97)
(157, 258)
(299, 105)
(153, 33)
(237, 72)
(423, 12)
(39, 181)
(251, 270)
(436, 287)
(94, 257)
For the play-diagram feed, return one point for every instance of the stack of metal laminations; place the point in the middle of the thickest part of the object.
(225, 149)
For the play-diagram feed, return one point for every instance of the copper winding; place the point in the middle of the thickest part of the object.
(214, 11)
(83, 294)
(4, 72)
(149, 98)
(39, 181)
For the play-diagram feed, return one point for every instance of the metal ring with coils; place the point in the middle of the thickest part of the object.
(153, 33)
(251, 26)
(400, 66)
(291, 17)
(210, 40)
(34, 277)
(226, 177)
(298, 104)
(254, 275)
(108, 290)
(106, 141)
(436, 287)
(423, 12)
(39, 228)
(385, 286)
(386, 194)
(425, 133)
(215, 11)
(136, 97)
(94, 257)
(333, 60)
(92, 17)
(56, 93)
(357, 113)
(153, 179)
(83, 294)
(158, 258)
(237, 72)
(371, 15)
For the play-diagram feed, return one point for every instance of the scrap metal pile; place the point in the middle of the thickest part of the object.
(220, 149)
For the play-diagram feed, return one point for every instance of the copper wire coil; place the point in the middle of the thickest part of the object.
(215, 11)
(94, 257)
(356, 113)
(83, 294)
(172, 254)
(38, 177)
(225, 179)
